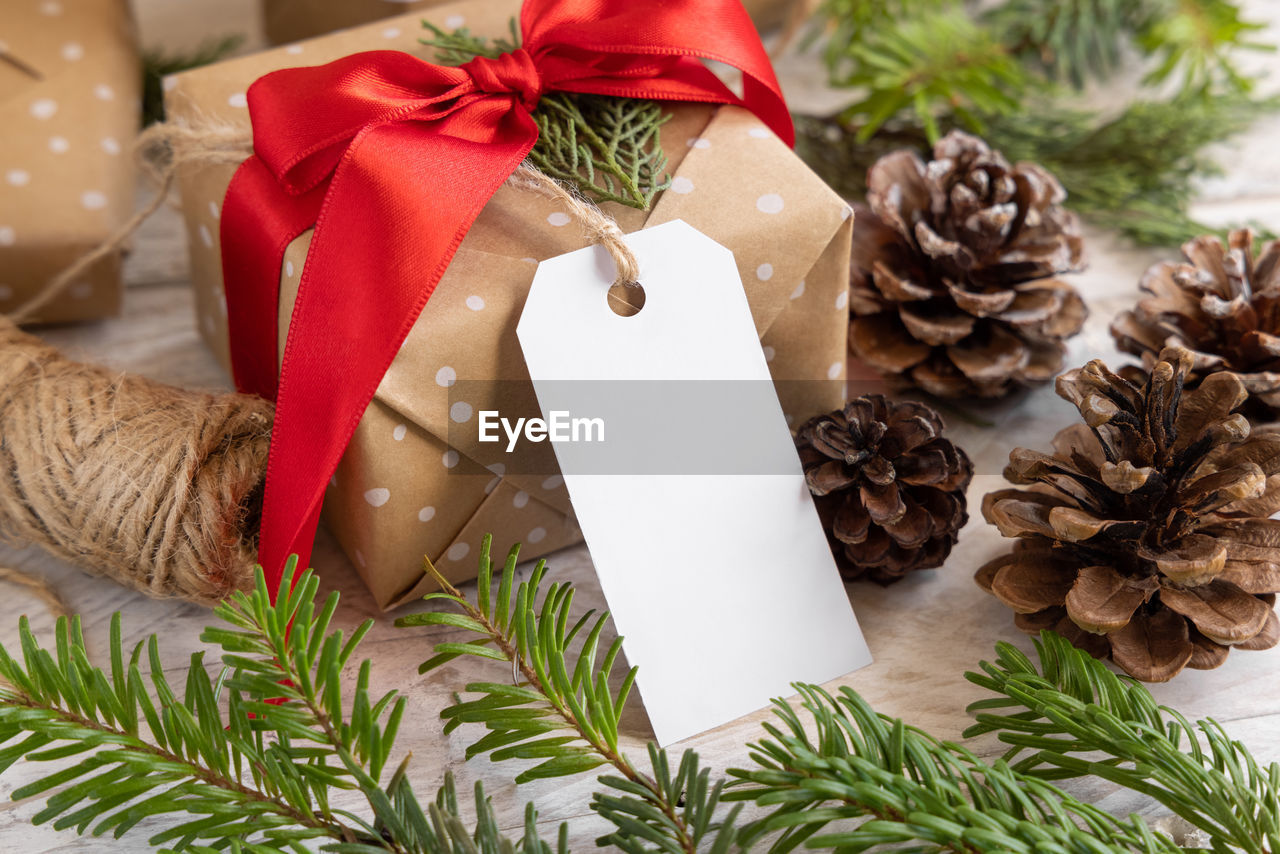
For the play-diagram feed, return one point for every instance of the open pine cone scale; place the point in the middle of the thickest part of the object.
(1141, 536)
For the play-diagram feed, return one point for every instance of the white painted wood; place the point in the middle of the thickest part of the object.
(923, 632)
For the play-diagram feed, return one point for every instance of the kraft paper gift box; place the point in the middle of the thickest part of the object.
(402, 490)
(291, 20)
(69, 108)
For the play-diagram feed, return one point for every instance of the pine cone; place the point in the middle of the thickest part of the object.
(889, 489)
(1223, 305)
(953, 278)
(1145, 537)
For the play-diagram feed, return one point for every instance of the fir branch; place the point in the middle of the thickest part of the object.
(1195, 42)
(932, 66)
(1136, 173)
(914, 789)
(1056, 715)
(564, 712)
(608, 148)
(1068, 40)
(259, 777)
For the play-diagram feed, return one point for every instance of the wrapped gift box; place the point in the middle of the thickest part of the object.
(292, 20)
(69, 107)
(402, 489)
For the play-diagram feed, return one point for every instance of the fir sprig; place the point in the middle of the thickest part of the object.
(933, 66)
(928, 67)
(914, 788)
(561, 709)
(247, 762)
(1056, 715)
(1135, 173)
(252, 761)
(606, 147)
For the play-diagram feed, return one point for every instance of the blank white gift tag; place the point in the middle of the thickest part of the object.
(722, 584)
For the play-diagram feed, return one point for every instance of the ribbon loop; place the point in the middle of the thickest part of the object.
(510, 74)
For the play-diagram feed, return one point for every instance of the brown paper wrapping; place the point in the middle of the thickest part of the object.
(292, 20)
(401, 490)
(66, 177)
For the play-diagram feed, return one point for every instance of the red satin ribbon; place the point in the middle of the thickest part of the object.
(391, 159)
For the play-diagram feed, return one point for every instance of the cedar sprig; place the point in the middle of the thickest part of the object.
(607, 148)
(249, 761)
(1055, 716)
(560, 708)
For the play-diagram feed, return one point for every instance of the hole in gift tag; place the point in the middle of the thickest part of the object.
(626, 300)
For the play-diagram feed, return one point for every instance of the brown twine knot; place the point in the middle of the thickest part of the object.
(156, 487)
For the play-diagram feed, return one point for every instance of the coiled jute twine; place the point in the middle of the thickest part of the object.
(156, 487)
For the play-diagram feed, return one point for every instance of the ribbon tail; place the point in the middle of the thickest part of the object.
(379, 249)
(258, 223)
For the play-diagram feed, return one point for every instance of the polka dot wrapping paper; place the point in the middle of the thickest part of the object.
(66, 178)
(291, 20)
(416, 479)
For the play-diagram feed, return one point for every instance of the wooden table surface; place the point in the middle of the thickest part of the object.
(924, 632)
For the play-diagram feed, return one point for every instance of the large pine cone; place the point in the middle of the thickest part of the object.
(888, 487)
(1145, 537)
(1223, 305)
(953, 282)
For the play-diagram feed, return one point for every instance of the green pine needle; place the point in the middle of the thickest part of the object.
(247, 762)
(561, 708)
(607, 148)
(252, 761)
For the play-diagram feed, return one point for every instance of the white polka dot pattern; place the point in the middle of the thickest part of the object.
(770, 203)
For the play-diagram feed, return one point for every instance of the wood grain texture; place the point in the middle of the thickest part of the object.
(924, 632)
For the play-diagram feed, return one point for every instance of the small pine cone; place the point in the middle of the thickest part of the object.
(953, 283)
(1146, 536)
(890, 490)
(1222, 304)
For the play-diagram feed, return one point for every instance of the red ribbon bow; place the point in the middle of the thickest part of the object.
(391, 159)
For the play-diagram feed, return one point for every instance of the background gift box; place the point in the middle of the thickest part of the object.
(414, 479)
(69, 93)
(291, 20)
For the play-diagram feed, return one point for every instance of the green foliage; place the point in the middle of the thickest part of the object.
(1056, 716)
(1135, 173)
(934, 65)
(157, 65)
(1194, 42)
(258, 759)
(919, 69)
(561, 710)
(607, 148)
(1067, 40)
(914, 788)
(248, 762)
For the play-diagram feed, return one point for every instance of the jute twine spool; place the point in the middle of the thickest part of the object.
(153, 486)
